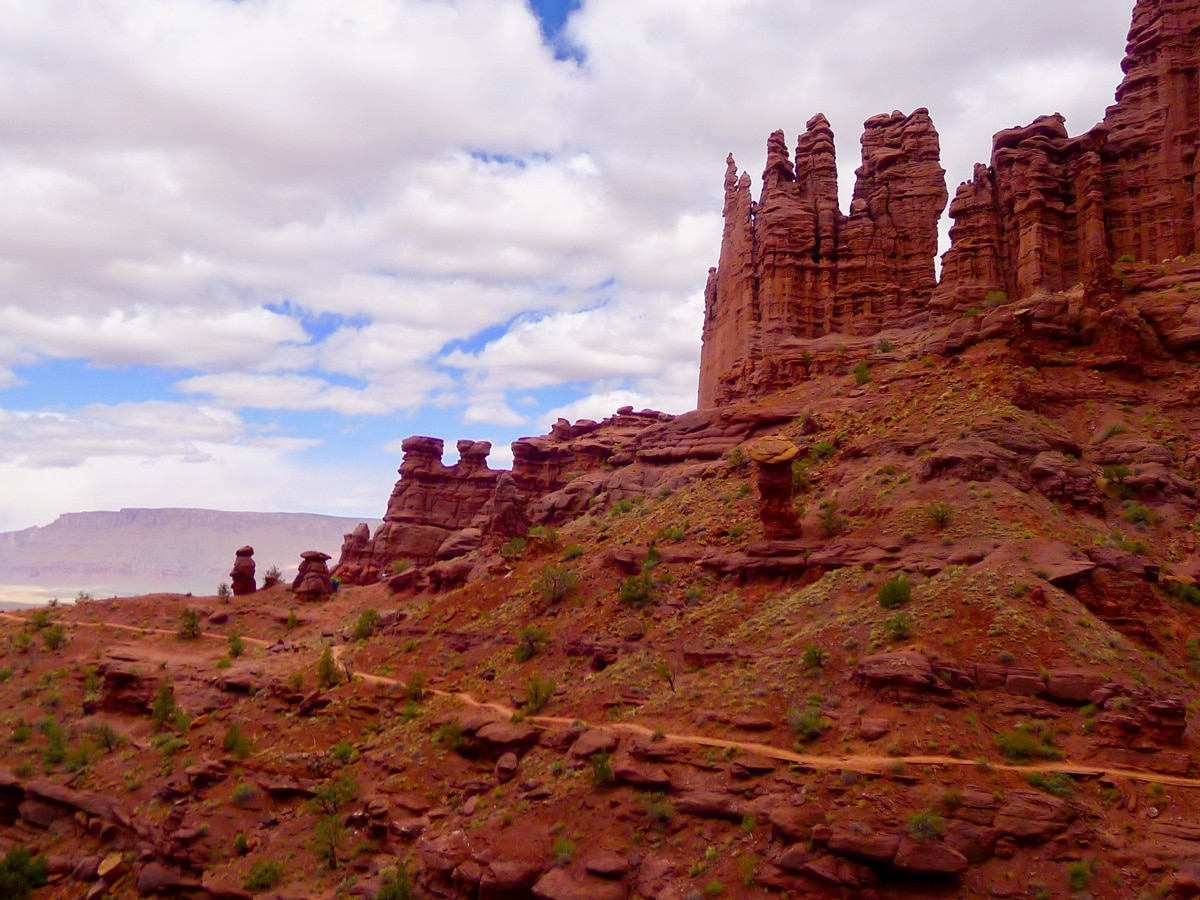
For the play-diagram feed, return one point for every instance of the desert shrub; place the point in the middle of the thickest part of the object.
(808, 723)
(926, 826)
(223, 591)
(241, 846)
(556, 583)
(895, 592)
(995, 298)
(564, 852)
(636, 590)
(862, 373)
(898, 626)
(243, 794)
(236, 645)
(1021, 745)
(1188, 593)
(823, 450)
(544, 534)
(1112, 431)
(21, 873)
(164, 708)
(800, 480)
(327, 671)
(532, 640)
(263, 875)
(367, 624)
(189, 624)
(572, 551)
(1138, 514)
(939, 513)
(331, 796)
(272, 576)
(514, 548)
(292, 620)
(450, 735)
(538, 693)
(106, 736)
(814, 657)
(1059, 784)
(671, 534)
(54, 637)
(395, 884)
(602, 773)
(737, 458)
(658, 808)
(414, 687)
(831, 521)
(884, 345)
(622, 506)
(400, 566)
(1079, 874)
(236, 742)
(652, 558)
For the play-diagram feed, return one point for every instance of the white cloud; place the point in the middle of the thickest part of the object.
(456, 217)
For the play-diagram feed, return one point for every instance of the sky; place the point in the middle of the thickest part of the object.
(248, 246)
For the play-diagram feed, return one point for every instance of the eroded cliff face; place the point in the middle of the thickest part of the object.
(793, 266)
(1048, 213)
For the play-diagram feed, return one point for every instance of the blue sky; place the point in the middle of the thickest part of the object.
(247, 248)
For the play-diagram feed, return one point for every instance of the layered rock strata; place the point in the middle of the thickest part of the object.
(793, 266)
(1048, 213)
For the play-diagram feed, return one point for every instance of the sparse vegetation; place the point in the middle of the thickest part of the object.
(538, 693)
(862, 373)
(556, 583)
(636, 590)
(21, 873)
(926, 826)
(189, 624)
(895, 592)
(531, 641)
(367, 624)
(939, 514)
(327, 671)
(898, 626)
(1021, 744)
(808, 723)
(263, 875)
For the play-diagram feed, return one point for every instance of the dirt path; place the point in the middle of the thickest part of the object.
(858, 762)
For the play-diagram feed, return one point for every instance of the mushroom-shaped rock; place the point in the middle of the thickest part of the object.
(312, 580)
(241, 576)
(773, 457)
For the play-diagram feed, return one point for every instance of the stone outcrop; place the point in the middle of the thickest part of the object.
(773, 457)
(1047, 213)
(241, 577)
(313, 582)
(794, 267)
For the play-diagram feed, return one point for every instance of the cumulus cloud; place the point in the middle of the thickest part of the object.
(403, 207)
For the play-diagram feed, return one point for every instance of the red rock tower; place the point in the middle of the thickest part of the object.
(793, 266)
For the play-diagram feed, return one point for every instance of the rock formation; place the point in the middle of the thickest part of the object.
(773, 456)
(1049, 212)
(312, 581)
(241, 577)
(794, 267)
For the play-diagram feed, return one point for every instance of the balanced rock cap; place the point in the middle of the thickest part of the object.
(773, 450)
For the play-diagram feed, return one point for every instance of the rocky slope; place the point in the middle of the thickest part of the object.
(912, 613)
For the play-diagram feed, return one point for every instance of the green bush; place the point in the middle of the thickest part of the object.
(895, 592)
(926, 826)
(513, 549)
(671, 534)
(395, 884)
(327, 671)
(884, 345)
(532, 639)
(564, 852)
(939, 514)
(538, 693)
(995, 298)
(831, 521)
(1137, 514)
(823, 450)
(898, 626)
(450, 735)
(556, 583)
(400, 566)
(367, 624)
(1059, 784)
(236, 742)
(263, 875)
(236, 645)
(862, 373)
(622, 506)
(572, 551)
(636, 590)
(244, 794)
(1079, 874)
(1020, 746)
(54, 637)
(241, 846)
(1188, 593)
(189, 624)
(808, 723)
(21, 873)
(814, 657)
(602, 773)
(328, 838)
(164, 708)
(331, 796)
